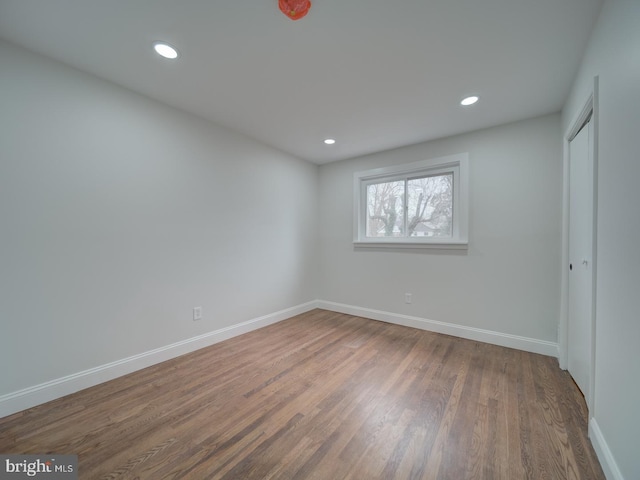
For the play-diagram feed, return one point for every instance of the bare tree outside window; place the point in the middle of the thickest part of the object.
(385, 206)
(429, 203)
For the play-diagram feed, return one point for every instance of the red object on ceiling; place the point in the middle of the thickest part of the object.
(295, 9)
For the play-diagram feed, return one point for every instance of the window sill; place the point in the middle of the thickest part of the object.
(461, 245)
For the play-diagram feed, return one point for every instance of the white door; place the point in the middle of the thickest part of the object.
(580, 259)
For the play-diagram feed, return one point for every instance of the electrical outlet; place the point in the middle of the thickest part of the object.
(407, 298)
(197, 313)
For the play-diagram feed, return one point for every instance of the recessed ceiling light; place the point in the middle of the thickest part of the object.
(469, 100)
(165, 50)
(329, 141)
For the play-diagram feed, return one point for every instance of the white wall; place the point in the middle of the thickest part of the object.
(507, 282)
(613, 55)
(119, 214)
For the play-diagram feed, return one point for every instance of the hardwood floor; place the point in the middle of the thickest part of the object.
(324, 396)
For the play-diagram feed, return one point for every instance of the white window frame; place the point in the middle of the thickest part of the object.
(457, 164)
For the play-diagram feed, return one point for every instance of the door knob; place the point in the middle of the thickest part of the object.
(571, 266)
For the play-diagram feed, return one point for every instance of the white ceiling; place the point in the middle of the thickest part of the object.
(372, 74)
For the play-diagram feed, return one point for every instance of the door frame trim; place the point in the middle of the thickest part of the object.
(589, 107)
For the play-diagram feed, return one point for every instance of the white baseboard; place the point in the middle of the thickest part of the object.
(45, 392)
(533, 345)
(607, 462)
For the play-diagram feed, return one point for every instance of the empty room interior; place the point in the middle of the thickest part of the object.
(330, 240)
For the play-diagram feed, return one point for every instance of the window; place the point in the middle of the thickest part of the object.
(419, 205)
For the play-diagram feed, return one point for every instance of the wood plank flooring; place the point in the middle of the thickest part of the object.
(324, 396)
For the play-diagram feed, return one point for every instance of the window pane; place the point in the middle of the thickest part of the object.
(385, 216)
(430, 202)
